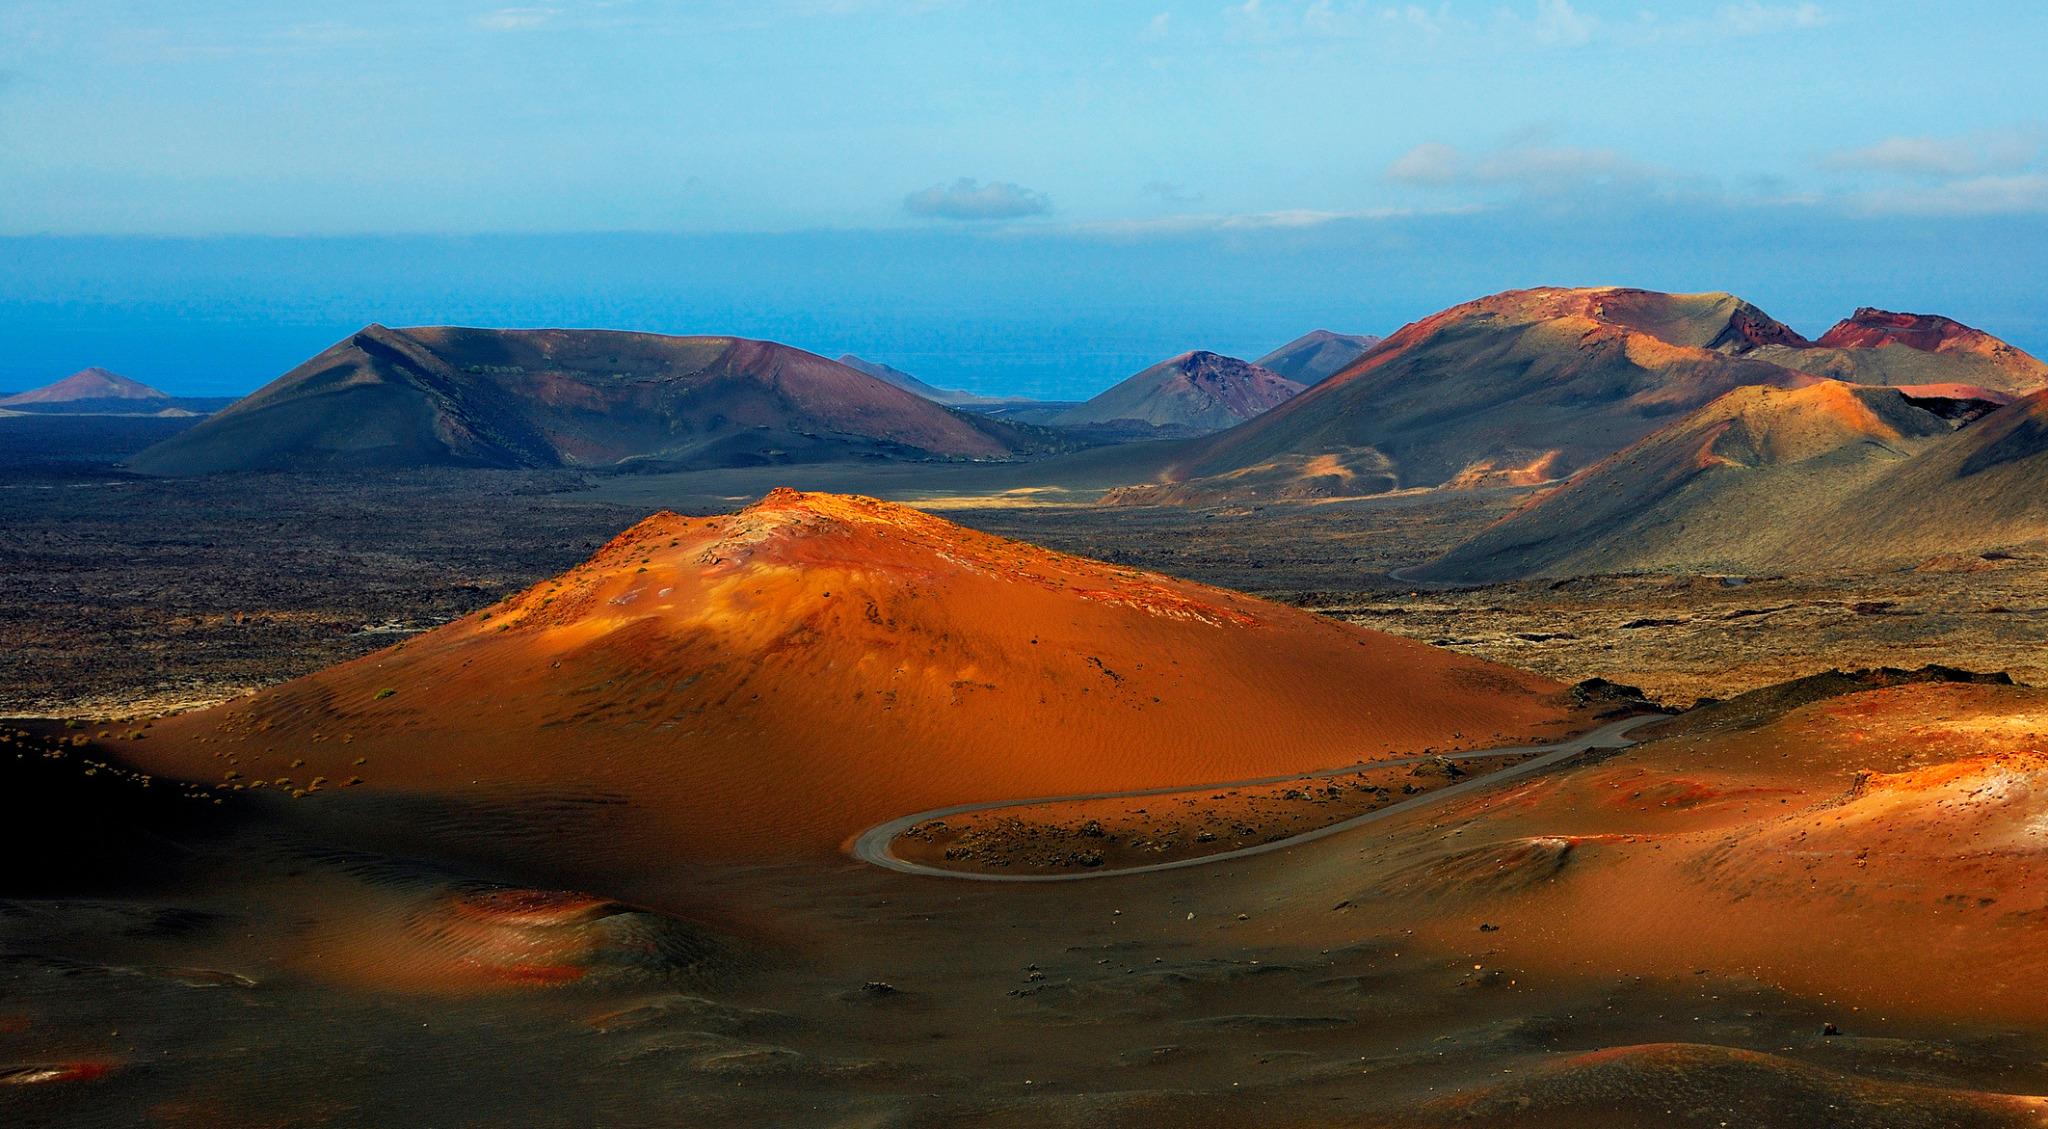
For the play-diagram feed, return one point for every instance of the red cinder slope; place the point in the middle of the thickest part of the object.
(772, 682)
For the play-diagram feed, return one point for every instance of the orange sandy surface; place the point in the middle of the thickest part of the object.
(768, 684)
(1887, 850)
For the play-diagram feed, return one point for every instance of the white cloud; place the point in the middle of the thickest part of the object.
(1558, 24)
(1157, 28)
(1531, 165)
(1431, 163)
(517, 19)
(1998, 195)
(1755, 18)
(1208, 222)
(969, 199)
(1520, 24)
(2004, 151)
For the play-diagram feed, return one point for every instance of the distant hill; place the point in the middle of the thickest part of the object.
(451, 396)
(950, 396)
(1317, 355)
(1530, 386)
(95, 391)
(87, 385)
(1191, 394)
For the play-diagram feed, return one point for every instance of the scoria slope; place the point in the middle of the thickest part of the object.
(1985, 488)
(772, 682)
(1734, 486)
(452, 396)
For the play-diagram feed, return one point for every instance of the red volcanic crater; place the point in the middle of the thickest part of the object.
(1869, 328)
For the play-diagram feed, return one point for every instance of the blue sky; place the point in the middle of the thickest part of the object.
(1035, 168)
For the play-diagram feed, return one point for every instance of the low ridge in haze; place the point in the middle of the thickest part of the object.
(1317, 355)
(909, 383)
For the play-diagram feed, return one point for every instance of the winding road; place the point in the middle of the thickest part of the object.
(872, 846)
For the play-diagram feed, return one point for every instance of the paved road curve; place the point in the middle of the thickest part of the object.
(873, 844)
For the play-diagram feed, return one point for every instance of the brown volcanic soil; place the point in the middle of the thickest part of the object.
(771, 683)
(1425, 972)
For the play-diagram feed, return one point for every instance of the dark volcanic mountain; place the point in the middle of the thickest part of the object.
(1317, 355)
(448, 396)
(1191, 394)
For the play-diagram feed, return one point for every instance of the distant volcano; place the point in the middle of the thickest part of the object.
(1190, 394)
(447, 396)
(91, 389)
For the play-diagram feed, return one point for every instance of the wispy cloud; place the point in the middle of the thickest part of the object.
(969, 199)
(2002, 195)
(517, 19)
(1990, 172)
(1197, 223)
(1977, 154)
(1524, 24)
(1156, 28)
(1555, 23)
(1756, 18)
(1532, 166)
